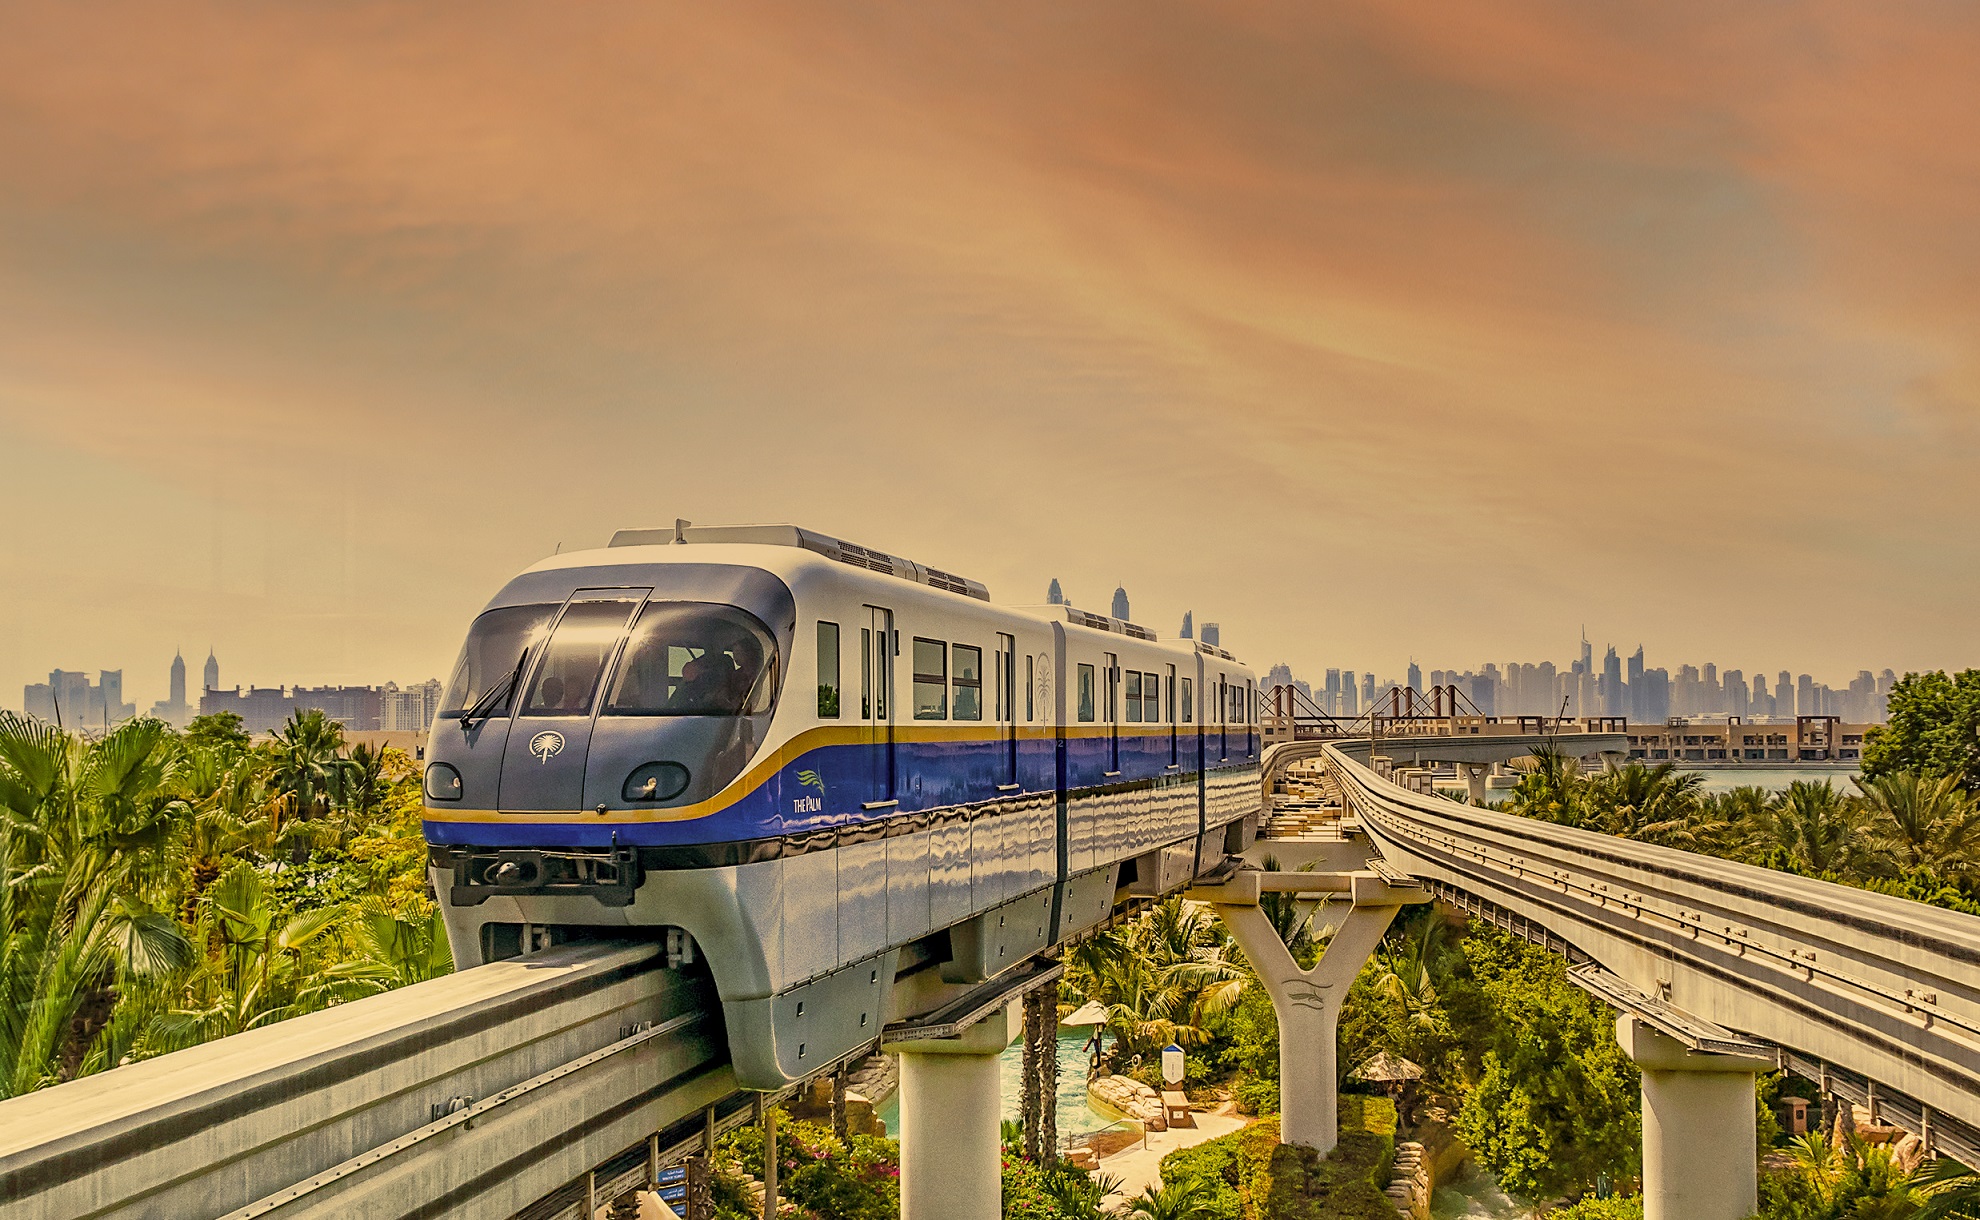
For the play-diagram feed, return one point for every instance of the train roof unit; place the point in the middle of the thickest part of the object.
(684, 533)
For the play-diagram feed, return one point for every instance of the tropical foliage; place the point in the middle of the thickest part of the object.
(1914, 833)
(160, 888)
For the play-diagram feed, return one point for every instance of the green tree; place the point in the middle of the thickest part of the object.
(1924, 822)
(1655, 804)
(1551, 788)
(1556, 1101)
(83, 831)
(1813, 825)
(262, 967)
(1933, 729)
(1188, 1199)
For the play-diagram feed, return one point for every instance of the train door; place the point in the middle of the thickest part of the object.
(543, 760)
(876, 705)
(1175, 745)
(1223, 719)
(1007, 712)
(1113, 680)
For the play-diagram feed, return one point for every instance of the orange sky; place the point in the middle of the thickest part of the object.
(1369, 330)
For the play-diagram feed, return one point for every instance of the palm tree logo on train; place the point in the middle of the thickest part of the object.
(546, 745)
(809, 804)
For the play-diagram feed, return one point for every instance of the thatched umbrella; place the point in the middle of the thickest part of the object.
(1385, 1069)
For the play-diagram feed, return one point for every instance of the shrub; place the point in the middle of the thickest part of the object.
(1255, 1095)
(1214, 1164)
(1618, 1207)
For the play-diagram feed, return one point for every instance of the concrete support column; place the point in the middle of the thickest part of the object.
(1700, 1157)
(1474, 779)
(1308, 1005)
(951, 1107)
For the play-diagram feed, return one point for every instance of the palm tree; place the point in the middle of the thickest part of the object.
(1654, 804)
(260, 967)
(1813, 826)
(1552, 787)
(306, 773)
(1924, 822)
(1404, 968)
(83, 826)
(1188, 1199)
(1948, 1188)
(1080, 1195)
(404, 950)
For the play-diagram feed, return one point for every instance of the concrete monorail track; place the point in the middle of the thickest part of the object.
(484, 1093)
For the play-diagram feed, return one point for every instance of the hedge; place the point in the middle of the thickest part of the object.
(1254, 1177)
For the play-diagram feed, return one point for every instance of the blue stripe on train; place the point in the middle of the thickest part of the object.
(928, 775)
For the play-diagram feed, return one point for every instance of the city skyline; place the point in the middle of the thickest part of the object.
(137, 694)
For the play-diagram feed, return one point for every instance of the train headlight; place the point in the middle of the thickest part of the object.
(443, 783)
(655, 781)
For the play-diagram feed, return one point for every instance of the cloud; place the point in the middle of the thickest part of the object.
(1655, 316)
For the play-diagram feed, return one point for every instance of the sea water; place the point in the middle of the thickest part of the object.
(1075, 1116)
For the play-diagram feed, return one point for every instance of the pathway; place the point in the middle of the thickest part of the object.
(1138, 1167)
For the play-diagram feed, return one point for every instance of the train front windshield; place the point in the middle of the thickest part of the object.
(694, 659)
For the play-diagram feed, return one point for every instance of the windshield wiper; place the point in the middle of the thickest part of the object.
(484, 707)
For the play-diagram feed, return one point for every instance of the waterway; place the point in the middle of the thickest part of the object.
(1773, 779)
(1075, 1116)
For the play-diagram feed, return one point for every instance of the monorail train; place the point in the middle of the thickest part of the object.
(846, 781)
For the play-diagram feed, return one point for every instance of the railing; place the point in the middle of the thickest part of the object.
(1860, 985)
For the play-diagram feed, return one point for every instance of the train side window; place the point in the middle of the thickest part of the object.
(1134, 696)
(969, 682)
(1189, 700)
(1030, 683)
(1086, 692)
(931, 679)
(828, 670)
(1151, 698)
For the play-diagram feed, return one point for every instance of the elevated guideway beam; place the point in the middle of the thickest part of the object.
(479, 1094)
(1883, 989)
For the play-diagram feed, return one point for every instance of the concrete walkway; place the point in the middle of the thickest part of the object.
(1139, 1168)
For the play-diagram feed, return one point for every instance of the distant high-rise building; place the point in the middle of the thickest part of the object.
(1415, 674)
(1784, 694)
(211, 679)
(1368, 688)
(1587, 653)
(1735, 693)
(1121, 604)
(1188, 627)
(1612, 684)
(68, 699)
(173, 710)
(1350, 705)
(1212, 636)
(1804, 697)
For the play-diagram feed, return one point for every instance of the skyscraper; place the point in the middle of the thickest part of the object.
(1784, 694)
(1587, 653)
(211, 681)
(1188, 628)
(1121, 604)
(1211, 635)
(1415, 674)
(173, 709)
(1612, 687)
